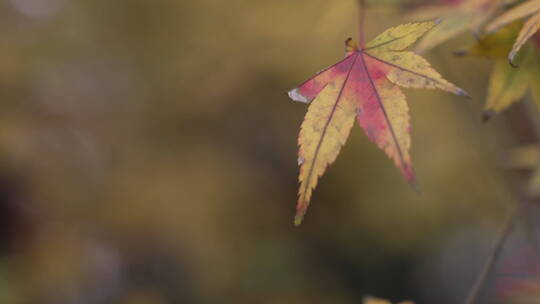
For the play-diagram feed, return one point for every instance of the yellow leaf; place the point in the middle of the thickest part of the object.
(413, 71)
(324, 131)
(456, 19)
(529, 28)
(506, 86)
(450, 27)
(521, 11)
(498, 44)
(398, 38)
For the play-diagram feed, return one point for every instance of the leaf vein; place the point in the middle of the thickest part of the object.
(379, 100)
(325, 128)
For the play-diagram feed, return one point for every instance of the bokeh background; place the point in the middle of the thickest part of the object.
(148, 156)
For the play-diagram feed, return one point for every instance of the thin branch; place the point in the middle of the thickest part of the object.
(532, 115)
(492, 259)
(534, 119)
(361, 21)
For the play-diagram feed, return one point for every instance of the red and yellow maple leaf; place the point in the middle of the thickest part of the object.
(364, 86)
(529, 9)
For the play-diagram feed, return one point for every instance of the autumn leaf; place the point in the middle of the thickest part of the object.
(495, 45)
(372, 300)
(363, 86)
(529, 9)
(457, 18)
(507, 84)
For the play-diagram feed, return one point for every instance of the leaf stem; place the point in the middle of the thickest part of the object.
(361, 21)
(492, 258)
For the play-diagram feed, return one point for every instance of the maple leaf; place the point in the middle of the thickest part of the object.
(531, 26)
(363, 86)
(456, 19)
(508, 84)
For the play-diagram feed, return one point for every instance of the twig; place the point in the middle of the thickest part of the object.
(532, 116)
(534, 119)
(490, 262)
(361, 21)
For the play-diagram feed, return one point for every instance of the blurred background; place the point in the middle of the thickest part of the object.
(148, 156)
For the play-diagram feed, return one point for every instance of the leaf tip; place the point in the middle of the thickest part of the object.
(295, 95)
(298, 220)
(460, 53)
(511, 59)
(408, 171)
(487, 115)
(301, 209)
(461, 92)
(299, 217)
(415, 186)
